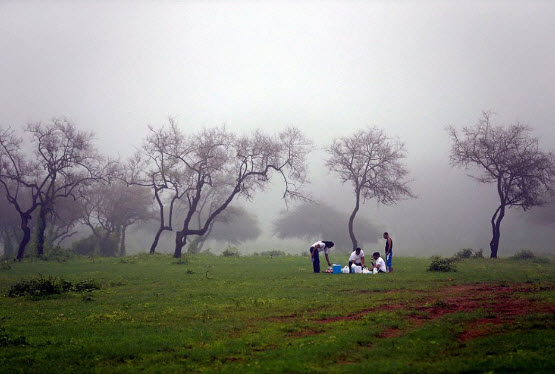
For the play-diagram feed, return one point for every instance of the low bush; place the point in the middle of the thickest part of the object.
(443, 264)
(57, 254)
(45, 286)
(478, 254)
(463, 253)
(523, 254)
(230, 252)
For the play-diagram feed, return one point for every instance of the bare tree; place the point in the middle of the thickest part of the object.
(21, 182)
(309, 221)
(57, 159)
(152, 167)
(510, 158)
(234, 166)
(371, 163)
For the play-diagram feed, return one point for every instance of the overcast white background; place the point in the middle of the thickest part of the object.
(328, 67)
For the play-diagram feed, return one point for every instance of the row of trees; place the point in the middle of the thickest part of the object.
(53, 177)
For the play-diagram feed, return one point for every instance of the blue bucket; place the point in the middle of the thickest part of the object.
(336, 268)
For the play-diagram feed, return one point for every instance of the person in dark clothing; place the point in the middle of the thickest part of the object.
(388, 251)
(315, 249)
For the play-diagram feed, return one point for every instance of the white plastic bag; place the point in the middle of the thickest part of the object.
(375, 271)
(345, 270)
(358, 269)
(365, 271)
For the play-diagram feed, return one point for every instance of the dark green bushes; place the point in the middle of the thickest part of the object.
(523, 254)
(230, 252)
(443, 264)
(45, 286)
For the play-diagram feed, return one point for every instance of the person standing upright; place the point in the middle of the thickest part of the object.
(388, 251)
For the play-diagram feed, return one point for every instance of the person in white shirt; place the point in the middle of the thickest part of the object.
(357, 258)
(315, 249)
(380, 263)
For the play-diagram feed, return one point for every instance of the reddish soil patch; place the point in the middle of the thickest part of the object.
(360, 314)
(499, 300)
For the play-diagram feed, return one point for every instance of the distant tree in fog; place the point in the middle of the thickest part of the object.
(108, 209)
(216, 159)
(234, 225)
(55, 161)
(313, 221)
(64, 216)
(371, 163)
(510, 158)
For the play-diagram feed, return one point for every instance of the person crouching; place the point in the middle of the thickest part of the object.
(380, 263)
(356, 258)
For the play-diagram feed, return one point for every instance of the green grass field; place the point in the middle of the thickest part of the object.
(261, 314)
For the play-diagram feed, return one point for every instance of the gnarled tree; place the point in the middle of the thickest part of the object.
(152, 167)
(511, 159)
(215, 159)
(57, 159)
(371, 163)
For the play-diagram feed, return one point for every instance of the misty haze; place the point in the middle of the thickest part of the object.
(210, 131)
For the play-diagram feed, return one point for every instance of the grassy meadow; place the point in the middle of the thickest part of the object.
(255, 314)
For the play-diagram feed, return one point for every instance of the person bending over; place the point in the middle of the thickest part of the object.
(356, 258)
(322, 245)
(380, 263)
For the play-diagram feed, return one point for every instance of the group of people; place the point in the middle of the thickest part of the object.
(357, 257)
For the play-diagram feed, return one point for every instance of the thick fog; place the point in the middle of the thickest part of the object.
(330, 68)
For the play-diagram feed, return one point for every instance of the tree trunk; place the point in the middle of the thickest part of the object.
(352, 220)
(26, 236)
(122, 242)
(156, 239)
(180, 241)
(41, 229)
(496, 230)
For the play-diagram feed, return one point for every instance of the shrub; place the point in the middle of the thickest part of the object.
(5, 264)
(463, 253)
(57, 254)
(85, 285)
(523, 254)
(478, 254)
(41, 286)
(85, 246)
(442, 264)
(230, 252)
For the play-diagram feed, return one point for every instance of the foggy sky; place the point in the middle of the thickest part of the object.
(412, 68)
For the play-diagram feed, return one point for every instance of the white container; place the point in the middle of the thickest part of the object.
(358, 269)
(375, 271)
